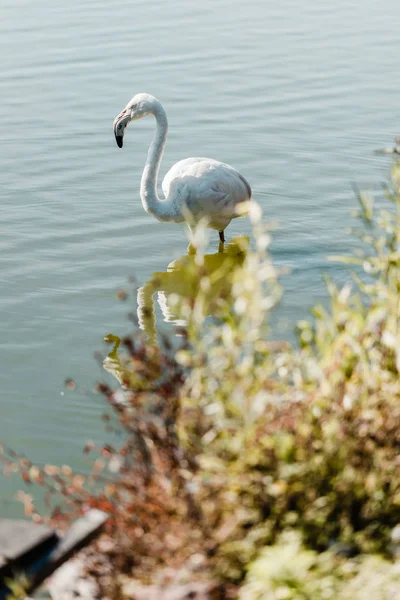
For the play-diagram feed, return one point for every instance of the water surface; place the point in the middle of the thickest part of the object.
(297, 95)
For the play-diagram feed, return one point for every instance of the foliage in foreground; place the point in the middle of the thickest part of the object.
(232, 439)
(289, 571)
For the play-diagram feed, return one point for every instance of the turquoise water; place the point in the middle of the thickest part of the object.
(296, 95)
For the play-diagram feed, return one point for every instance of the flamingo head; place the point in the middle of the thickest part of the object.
(140, 106)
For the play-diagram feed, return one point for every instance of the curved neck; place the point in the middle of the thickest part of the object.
(163, 210)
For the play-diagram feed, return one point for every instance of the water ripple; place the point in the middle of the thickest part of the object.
(297, 95)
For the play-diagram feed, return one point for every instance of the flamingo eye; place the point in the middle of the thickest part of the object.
(134, 107)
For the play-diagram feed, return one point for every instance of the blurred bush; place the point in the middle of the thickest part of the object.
(250, 460)
(289, 571)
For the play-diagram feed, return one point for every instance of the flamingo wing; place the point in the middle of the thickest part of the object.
(208, 189)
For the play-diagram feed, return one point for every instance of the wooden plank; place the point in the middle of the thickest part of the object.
(81, 532)
(21, 542)
(18, 538)
(41, 558)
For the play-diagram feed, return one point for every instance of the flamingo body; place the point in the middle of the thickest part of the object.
(204, 188)
(195, 188)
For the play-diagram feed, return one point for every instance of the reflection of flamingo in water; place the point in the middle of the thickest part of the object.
(120, 369)
(112, 362)
(182, 280)
(195, 189)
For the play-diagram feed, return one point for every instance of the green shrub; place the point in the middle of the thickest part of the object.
(288, 571)
(232, 439)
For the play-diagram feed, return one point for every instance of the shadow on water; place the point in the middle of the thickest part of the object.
(177, 289)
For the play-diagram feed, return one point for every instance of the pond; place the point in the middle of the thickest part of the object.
(296, 95)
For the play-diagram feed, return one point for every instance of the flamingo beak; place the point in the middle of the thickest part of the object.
(120, 122)
(120, 140)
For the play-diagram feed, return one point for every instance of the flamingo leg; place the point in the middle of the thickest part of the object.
(221, 241)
